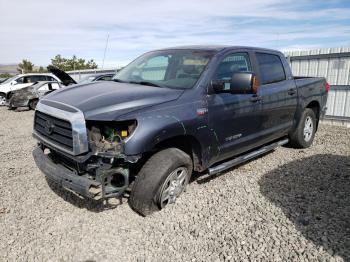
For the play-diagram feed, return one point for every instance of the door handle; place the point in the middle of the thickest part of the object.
(255, 99)
(291, 91)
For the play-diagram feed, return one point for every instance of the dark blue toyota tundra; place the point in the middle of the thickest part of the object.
(169, 113)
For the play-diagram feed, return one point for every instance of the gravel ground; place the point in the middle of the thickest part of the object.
(287, 205)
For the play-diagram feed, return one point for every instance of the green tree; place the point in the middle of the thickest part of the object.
(74, 63)
(5, 75)
(42, 70)
(25, 67)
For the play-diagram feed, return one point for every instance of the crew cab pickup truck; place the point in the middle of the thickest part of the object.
(169, 113)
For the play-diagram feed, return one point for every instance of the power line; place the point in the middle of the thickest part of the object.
(104, 54)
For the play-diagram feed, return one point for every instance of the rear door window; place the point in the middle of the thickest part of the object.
(27, 79)
(44, 87)
(50, 78)
(55, 86)
(271, 68)
(37, 78)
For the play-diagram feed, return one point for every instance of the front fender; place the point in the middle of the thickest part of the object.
(155, 129)
(151, 130)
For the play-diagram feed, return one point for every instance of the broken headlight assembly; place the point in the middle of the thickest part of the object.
(108, 138)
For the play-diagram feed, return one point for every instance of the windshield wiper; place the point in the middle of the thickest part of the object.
(146, 83)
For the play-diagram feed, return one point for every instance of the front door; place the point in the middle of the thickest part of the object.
(234, 119)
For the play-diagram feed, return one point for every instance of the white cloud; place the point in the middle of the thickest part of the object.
(40, 29)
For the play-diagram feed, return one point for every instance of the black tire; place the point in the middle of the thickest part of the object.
(2, 99)
(297, 137)
(145, 193)
(33, 103)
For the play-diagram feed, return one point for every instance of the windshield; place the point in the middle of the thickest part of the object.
(168, 68)
(9, 80)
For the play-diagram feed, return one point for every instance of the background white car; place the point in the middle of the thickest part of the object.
(21, 81)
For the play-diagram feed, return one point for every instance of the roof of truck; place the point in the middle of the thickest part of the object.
(218, 48)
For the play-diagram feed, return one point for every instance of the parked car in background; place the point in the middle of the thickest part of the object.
(21, 81)
(29, 96)
(94, 78)
(66, 79)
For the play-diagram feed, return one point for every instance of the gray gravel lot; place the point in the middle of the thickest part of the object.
(287, 205)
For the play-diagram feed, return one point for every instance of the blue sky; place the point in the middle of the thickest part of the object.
(40, 29)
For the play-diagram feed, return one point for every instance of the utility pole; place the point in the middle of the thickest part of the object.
(104, 53)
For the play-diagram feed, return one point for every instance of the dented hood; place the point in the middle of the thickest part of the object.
(108, 100)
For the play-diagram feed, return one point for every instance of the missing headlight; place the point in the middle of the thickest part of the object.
(109, 136)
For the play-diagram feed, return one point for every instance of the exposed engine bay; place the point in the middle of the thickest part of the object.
(107, 138)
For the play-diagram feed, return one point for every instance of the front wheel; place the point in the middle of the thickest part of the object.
(2, 100)
(33, 103)
(161, 181)
(304, 134)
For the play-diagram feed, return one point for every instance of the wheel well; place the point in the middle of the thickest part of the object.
(8, 95)
(315, 106)
(186, 143)
(33, 99)
(3, 94)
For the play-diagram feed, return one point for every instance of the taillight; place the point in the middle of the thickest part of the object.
(327, 86)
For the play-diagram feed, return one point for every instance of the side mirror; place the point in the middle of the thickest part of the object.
(14, 82)
(243, 83)
(240, 83)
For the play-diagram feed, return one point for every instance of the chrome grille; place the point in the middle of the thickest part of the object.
(57, 130)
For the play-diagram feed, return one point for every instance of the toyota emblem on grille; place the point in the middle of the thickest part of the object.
(49, 126)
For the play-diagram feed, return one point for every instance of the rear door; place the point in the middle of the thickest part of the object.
(234, 119)
(278, 94)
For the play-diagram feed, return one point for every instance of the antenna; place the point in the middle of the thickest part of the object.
(104, 53)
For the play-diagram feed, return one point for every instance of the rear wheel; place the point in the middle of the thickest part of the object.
(33, 103)
(304, 134)
(160, 181)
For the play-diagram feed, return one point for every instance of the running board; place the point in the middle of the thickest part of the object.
(238, 160)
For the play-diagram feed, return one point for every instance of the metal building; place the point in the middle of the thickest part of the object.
(334, 64)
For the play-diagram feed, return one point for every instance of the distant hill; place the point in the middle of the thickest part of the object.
(10, 69)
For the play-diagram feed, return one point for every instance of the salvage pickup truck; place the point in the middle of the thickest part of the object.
(169, 113)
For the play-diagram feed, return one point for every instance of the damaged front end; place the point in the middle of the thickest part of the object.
(107, 138)
(103, 172)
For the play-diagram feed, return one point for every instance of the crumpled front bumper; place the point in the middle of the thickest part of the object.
(66, 178)
(17, 102)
